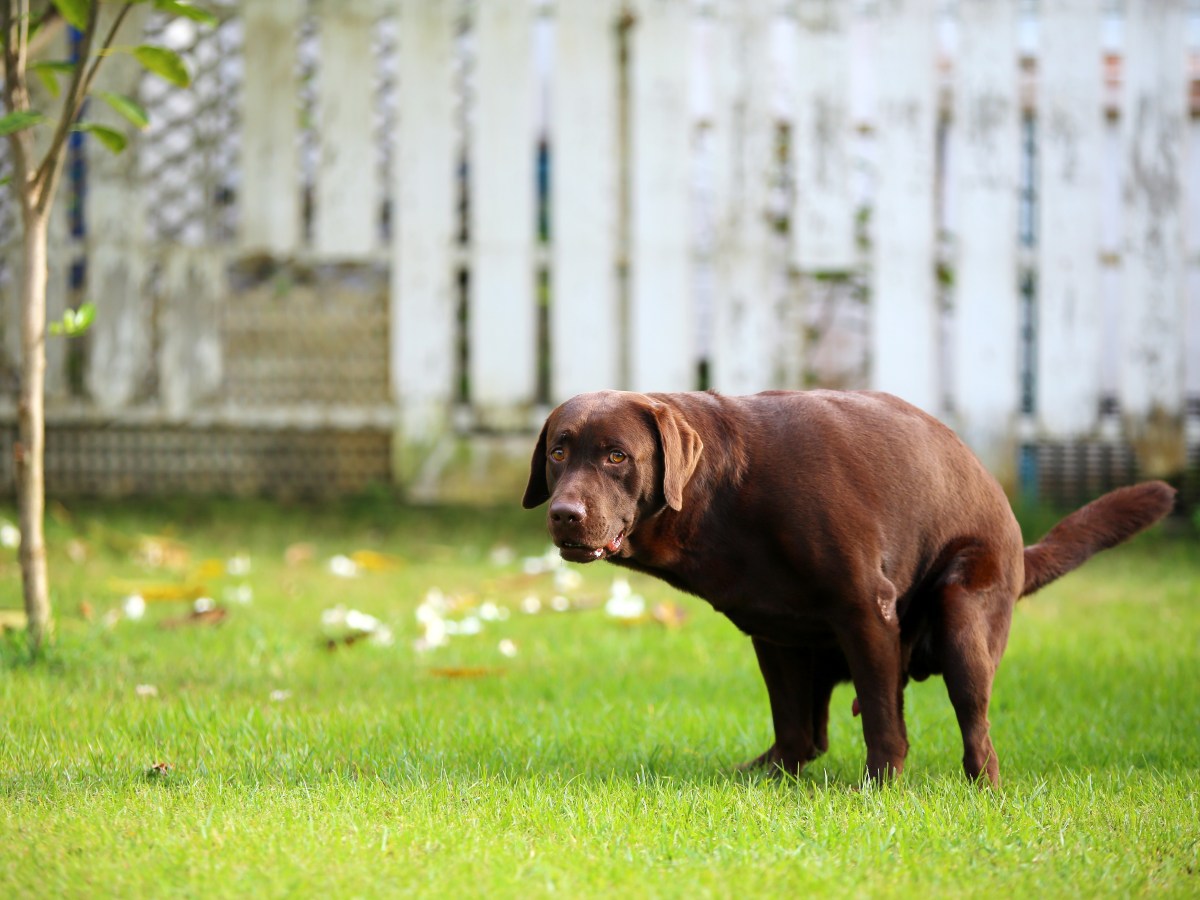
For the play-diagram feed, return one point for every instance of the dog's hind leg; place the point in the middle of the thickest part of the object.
(789, 675)
(870, 638)
(973, 634)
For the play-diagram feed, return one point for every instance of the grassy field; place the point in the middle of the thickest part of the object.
(552, 752)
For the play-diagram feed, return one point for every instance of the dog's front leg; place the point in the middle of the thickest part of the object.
(796, 708)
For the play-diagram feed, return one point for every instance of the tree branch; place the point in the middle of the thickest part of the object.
(45, 178)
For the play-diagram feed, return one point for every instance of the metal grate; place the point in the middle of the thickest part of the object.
(131, 460)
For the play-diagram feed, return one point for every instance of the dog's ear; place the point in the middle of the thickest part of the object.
(537, 491)
(681, 452)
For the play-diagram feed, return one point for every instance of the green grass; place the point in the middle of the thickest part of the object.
(596, 762)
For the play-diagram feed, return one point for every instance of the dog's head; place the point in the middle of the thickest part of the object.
(607, 461)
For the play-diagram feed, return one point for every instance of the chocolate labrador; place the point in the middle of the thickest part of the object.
(850, 535)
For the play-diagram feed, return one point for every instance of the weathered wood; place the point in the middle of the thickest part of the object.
(346, 210)
(119, 357)
(583, 194)
(823, 202)
(189, 345)
(422, 297)
(904, 327)
(1154, 125)
(985, 350)
(746, 330)
(1070, 305)
(503, 310)
(660, 316)
(270, 182)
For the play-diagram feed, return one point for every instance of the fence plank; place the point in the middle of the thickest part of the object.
(904, 327)
(1070, 304)
(746, 331)
(661, 322)
(189, 353)
(503, 313)
(823, 210)
(423, 310)
(347, 198)
(1154, 119)
(986, 303)
(120, 339)
(583, 193)
(270, 183)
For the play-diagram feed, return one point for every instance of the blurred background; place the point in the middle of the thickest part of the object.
(377, 240)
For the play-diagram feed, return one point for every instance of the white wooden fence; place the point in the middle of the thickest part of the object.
(987, 207)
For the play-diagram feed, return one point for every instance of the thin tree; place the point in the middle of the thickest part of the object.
(34, 181)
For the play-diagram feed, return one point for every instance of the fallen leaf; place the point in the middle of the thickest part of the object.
(210, 569)
(160, 552)
(466, 672)
(214, 616)
(669, 614)
(160, 769)
(155, 592)
(298, 554)
(374, 561)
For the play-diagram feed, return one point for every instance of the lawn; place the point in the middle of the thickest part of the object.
(557, 751)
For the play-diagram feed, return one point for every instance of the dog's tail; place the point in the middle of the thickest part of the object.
(1103, 523)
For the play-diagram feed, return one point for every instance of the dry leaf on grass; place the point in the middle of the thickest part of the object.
(160, 769)
(466, 672)
(214, 616)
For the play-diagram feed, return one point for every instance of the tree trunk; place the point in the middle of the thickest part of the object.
(31, 426)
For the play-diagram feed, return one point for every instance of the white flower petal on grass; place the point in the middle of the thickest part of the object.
(531, 605)
(507, 647)
(146, 690)
(134, 606)
(382, 637)
(278, 696)
(489, 611)
(343, 567)
(10, 535)
(623, 603)
(559, 603)
(241, 593)
(238, 566)
(203, 605)
(470, 625)
(567, 580)
(361, 621)
(502, 556)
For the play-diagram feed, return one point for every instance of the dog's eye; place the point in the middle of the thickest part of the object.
(617, 456)
(558, 454)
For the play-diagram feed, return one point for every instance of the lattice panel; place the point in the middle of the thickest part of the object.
(128, 460)
(308, 337)
(188, 155)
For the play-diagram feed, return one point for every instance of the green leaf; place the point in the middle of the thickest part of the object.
(75, 321)
(164, 63)
(127, 107)
(74, 11)
(16, 121)
(109, 137)
(187, 11)
(47, 73)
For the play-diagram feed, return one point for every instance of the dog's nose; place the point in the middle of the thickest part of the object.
(567, 512)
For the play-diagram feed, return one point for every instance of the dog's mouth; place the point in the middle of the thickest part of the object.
(572, 551)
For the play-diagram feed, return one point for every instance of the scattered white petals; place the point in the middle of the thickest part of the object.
(241, 593)
(360, 621)
(278, 696)
(547, 562)
(343, 567)
(470, 625)
(623, 603)
(10, 535)
(203, 605)
(491, 612)
(559, 603)
(507, 648)
(135, 606)
(502, 556)
(146, 690)
(567, 580)
(238, 566)
(531, 605)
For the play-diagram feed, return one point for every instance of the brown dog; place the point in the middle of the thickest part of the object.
(851, 535)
